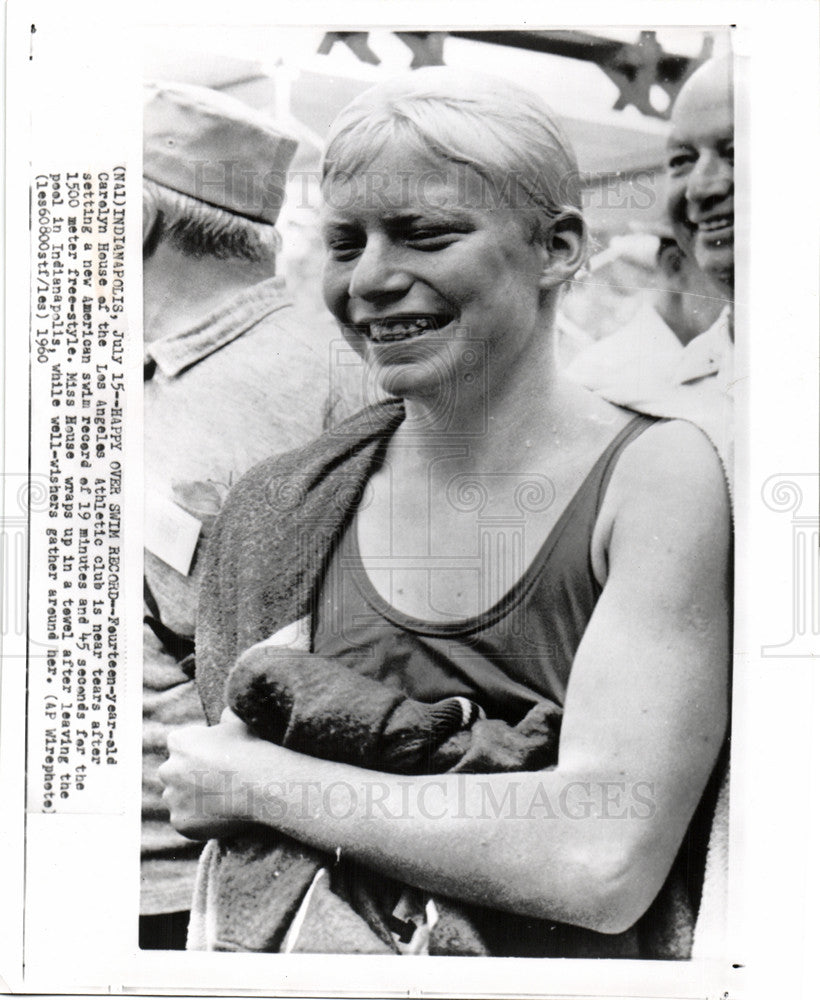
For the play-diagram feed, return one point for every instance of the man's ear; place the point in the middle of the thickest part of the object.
(564, 249)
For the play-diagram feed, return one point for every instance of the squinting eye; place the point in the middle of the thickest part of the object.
(679, 161)
(431, 239)
(343, 250)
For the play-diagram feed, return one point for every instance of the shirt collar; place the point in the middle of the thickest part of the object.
(178, 351)
(705, 355)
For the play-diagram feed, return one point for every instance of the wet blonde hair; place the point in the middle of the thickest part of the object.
(503, 132)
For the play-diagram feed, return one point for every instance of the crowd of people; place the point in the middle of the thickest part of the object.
(496, 549)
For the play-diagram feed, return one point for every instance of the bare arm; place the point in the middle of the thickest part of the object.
(591, 842)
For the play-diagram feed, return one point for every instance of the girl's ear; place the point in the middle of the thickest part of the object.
(565, 249)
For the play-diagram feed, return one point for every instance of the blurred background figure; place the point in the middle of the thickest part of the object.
(691, 374)
(652, 300)
(700, 206)
(610, 290)
(700, 172)
(231, 376)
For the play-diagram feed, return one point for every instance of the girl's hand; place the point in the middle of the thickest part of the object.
(205, 788)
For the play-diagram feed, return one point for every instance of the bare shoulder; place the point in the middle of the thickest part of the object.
(669, 456)
(668, 485)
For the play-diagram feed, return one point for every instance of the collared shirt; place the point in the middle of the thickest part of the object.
(703, 390)
(247, 382)
(651, 372)
(630, 365)
(179, 350)
(711, 355)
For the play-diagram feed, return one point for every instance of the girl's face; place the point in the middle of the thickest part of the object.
(431, 276)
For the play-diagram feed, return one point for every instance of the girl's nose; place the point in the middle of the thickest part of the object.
(378, 272)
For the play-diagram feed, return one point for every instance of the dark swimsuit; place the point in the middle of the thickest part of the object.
(518, 652)
(506, 659)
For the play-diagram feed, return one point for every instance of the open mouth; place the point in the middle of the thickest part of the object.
(394, 329)
(716, 228)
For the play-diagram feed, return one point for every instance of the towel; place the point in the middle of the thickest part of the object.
(314, 705)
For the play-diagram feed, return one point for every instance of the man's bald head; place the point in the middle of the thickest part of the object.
(700, 170)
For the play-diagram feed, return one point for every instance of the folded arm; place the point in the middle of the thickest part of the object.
(591, 842)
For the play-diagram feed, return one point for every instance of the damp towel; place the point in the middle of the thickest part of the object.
(314, 705)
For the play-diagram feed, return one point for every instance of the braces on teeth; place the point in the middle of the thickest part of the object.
(386, 330)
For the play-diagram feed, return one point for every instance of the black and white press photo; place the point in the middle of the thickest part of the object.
(438, 443)
(411, 578)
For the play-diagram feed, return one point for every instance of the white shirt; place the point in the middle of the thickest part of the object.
(645, 367)
(632, 364)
